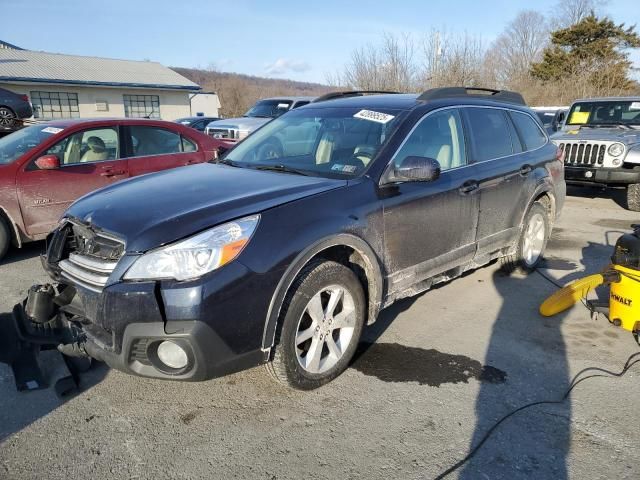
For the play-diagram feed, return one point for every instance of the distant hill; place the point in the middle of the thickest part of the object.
(238, 92)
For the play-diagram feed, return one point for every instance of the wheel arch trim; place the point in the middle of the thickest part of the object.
(372, 269)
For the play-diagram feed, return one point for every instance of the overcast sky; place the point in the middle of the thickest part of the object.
(298, 39)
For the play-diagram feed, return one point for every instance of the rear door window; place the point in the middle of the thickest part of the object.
(489, 132)
(529, 131)
(146, 141)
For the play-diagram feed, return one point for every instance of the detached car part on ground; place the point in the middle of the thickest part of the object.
(46, 167)
(13, 109)
(601, 145)
(284, 259)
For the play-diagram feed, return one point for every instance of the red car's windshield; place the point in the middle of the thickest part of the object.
(16, 144)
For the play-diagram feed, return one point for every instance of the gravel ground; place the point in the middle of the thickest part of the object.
(430, 378)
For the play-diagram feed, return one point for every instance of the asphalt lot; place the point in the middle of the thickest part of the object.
(431, 377)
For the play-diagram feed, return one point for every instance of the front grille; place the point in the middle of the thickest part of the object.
(224, 133)
(92, 256)
(582, 153)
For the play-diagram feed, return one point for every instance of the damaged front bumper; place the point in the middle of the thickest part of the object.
(125, 324)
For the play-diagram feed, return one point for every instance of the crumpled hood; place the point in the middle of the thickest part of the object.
(160, 208)
(241, 123)
(628, 137)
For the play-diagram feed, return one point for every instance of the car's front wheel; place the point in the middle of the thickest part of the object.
(7, 119)
(532, 241)
(322, 319)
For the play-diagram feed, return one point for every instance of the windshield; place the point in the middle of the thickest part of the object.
(269, 108)
(17, 143)
(327, 142)
(614, 112)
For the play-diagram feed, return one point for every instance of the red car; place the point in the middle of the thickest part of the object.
(46, 167)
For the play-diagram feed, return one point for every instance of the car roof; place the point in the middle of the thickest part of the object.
(402, 101)
(72, 122)
(293, 99)
(408, 101)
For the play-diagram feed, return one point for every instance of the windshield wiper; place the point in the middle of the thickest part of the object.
(281, 168)
(231, 163)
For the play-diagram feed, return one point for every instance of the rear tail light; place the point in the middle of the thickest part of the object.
(24, 97)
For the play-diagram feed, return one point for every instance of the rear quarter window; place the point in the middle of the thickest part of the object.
(529, 131)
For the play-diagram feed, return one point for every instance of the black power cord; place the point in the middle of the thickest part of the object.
(631, 361)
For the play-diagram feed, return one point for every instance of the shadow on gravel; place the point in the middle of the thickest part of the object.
(29, 250)
(392, 362)
(534, 443)
(618, 195)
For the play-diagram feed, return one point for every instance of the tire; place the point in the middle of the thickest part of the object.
(7, 119)
(530, 251)
(633, 197)
(5, 238)
(307, 321)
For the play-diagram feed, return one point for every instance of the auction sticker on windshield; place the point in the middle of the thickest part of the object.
(374, 116)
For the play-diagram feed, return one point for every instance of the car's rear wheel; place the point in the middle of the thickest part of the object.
(5, 237)
(633, 197)
(7, 118)
(532, 241)
(320, 326)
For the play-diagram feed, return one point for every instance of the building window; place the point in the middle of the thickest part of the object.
(142, 106)
(52, 105)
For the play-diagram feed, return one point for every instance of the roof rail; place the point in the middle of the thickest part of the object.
(350, 93)
(448, 92)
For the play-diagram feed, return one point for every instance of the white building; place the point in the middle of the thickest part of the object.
(71, 86)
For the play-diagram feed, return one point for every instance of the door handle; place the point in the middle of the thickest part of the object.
(469, 187)
(525, 170)
(112, 173)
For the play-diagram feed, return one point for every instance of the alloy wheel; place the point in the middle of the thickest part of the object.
(533, 240)
(325, 329)
(7, 117)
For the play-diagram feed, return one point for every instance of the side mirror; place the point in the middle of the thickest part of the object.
(48, 162)
(416, 169)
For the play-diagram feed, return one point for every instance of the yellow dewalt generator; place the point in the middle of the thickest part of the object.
(623, 276)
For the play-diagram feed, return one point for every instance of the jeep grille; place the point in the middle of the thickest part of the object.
(583, 153)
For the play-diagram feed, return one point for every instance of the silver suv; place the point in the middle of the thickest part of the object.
(265, 110)
(601, 145)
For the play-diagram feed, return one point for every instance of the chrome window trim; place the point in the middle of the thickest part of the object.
(465, 134)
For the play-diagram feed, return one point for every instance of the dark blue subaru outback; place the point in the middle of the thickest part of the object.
(282, 251)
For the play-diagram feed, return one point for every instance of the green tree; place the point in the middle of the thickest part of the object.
(592, 54)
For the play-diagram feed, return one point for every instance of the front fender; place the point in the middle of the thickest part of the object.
(372, 268)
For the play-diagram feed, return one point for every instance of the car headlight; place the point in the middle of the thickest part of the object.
(616, 149)
(197, 255)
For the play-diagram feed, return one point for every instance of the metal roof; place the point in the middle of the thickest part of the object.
(43, 67)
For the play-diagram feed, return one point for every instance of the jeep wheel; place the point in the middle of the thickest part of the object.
(5, 238)
(321, 323)
(532, 241)
(633, 197)
(7, 119)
